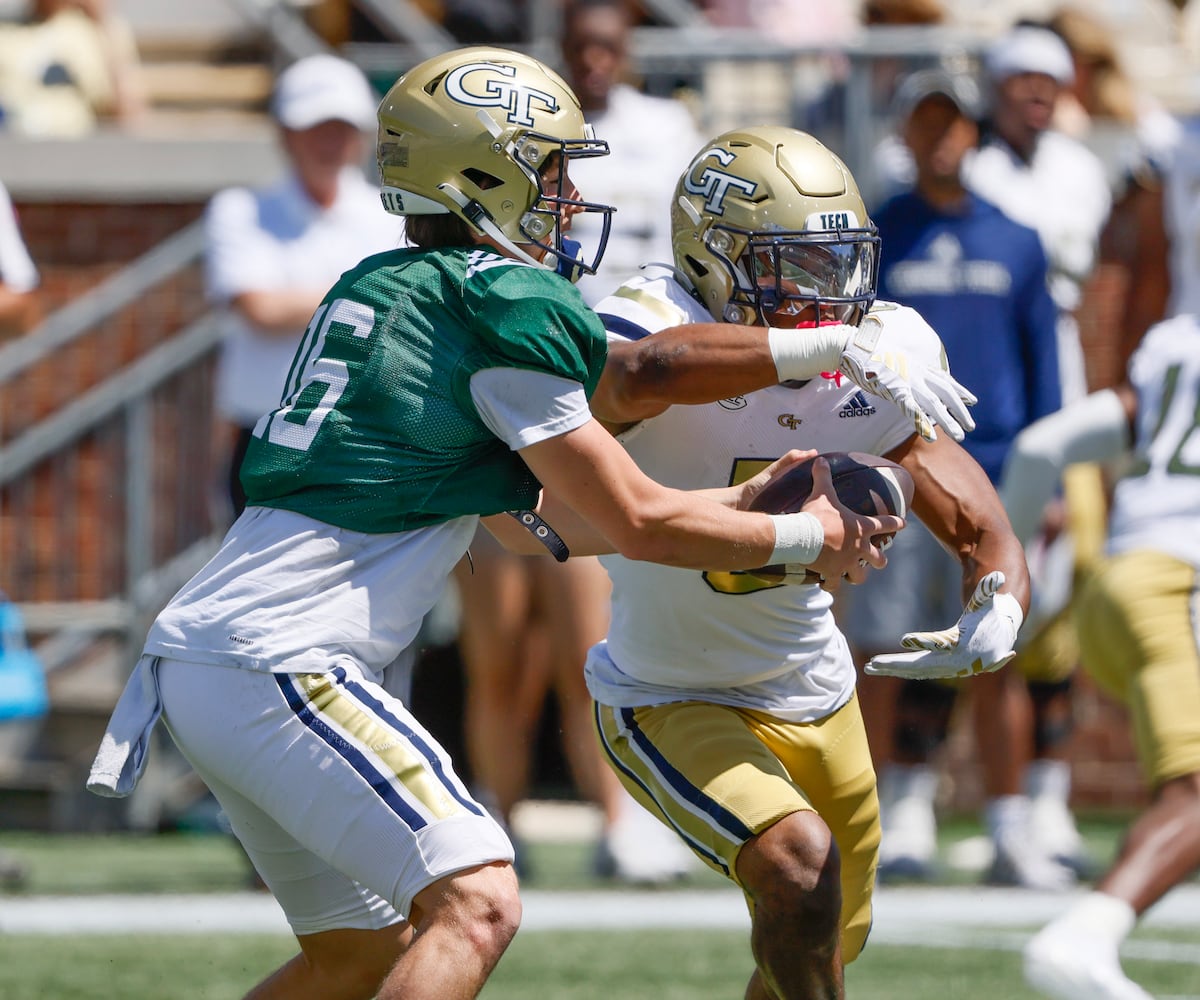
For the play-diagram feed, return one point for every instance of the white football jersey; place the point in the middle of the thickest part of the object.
(726, 637)
(1156, 505)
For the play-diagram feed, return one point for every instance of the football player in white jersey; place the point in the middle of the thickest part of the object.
(1138, 634)
(726, 704)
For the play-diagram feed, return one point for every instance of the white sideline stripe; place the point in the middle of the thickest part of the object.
(932, 917)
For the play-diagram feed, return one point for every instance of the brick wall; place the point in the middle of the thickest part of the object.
(61, 526)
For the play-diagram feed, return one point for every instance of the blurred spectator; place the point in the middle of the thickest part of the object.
(892, 168)
(18, 276)
(651, 140)
(979, 279)
(528, 622)
(1042, 177)
(273, 253)
(485, 21)
(72, 64)
(1054, 183)
(1123, 124)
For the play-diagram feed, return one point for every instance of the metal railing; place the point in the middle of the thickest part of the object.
(123, 398)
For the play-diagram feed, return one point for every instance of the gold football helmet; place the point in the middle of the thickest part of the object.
(769, 227)
(475, 132)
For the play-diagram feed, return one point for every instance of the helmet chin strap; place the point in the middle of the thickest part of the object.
(478, 217)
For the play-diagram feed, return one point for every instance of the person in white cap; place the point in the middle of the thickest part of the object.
(1041, 177)
(1056, 185)
(272, 253)
(980, 279)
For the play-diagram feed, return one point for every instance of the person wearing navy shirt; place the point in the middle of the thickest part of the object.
(980, 279)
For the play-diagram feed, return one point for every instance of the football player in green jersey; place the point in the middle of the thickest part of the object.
(435, 384)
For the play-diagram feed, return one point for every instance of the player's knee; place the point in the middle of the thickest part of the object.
(483, 905)
(792, 871)
(494, 913)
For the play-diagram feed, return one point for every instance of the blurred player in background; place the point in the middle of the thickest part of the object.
(1137, 625)
(724, 702)
(435, 384)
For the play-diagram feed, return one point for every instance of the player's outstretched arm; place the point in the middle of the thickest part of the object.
(704, 362)
(957, 502)
(524, 535)
(1096, 428)
(591, 474)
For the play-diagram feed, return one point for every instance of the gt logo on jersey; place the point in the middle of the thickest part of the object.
(481, 85)
(714, 184)
(788, 420)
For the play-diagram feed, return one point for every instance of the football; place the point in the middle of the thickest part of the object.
(867, 484)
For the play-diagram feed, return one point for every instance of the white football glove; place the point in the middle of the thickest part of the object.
(923, 393)
(981, 641)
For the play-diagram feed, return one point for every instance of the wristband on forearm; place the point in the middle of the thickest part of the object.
(866, 335)
(799, 538)
(804, 354)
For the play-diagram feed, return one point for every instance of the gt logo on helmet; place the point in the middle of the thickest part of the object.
(714, 184)
(479, 86)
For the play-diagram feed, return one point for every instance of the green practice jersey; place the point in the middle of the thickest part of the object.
(377, 431)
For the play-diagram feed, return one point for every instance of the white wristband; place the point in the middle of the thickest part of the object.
(798, 538)
(804, 354)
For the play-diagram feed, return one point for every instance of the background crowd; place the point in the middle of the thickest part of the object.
(1032, 178)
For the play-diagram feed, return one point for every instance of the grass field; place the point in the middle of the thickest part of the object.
(972, 963)
(576, 965)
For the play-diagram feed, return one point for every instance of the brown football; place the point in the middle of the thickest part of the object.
(867, 484)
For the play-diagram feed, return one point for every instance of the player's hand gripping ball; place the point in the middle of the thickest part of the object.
(866, 484)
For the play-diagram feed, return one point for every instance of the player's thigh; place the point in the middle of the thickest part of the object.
(720, 775)
(338, 794)
(1140, 639)
(920, 588)
(830, 760)
(701, 769)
